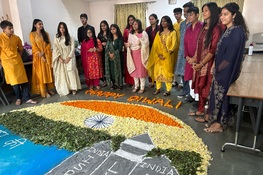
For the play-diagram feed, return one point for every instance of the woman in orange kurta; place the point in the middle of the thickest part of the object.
(42, 78)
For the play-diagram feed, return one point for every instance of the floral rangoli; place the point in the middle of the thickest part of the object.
(129, 120)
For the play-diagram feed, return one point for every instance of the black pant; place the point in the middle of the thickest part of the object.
(22, 91)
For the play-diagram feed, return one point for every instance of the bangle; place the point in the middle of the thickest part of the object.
(202, 64)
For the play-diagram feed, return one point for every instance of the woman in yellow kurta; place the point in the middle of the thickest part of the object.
(161, 61)
(15, 74)
(42, 78)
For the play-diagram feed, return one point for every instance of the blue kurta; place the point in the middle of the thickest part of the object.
(228, 60)
(180, 59)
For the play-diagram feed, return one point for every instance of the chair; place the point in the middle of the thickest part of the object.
(3, 98)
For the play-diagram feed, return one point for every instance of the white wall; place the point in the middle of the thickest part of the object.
(54, 11)
(101, 10)
(253, 16)
(4, 9)
(104, 10)
(51, 12)
(21, 13)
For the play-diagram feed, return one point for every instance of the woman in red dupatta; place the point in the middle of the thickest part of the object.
(204, 55)
(91, 49)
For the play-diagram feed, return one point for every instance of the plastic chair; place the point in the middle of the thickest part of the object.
(3, 98)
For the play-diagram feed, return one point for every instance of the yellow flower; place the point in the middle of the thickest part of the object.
(164, 136)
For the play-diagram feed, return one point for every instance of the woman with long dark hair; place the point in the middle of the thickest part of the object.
(103, 37)
(91, 49)
(127, 78)
(137, 55)
(161, 61)
(229, 57)
(114, 73)
(64, 62)
(204, 56)
(152, 31)
(42, 78)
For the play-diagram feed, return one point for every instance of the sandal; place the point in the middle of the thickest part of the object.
(74, 92)
(214, 128)
(30, 101)
(18, 102)
(151, 85)
(201, 120)
(157, 92)
(47, 95)
(52, 93)
(192, 113)
(104, 84)
(135, 90)
(197, 113)
(167, 93)
(119, 87)
(141, 91)
(113, 87)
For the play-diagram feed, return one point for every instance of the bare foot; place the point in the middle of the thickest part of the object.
(52, 93)
(214, 128)
(18, 102)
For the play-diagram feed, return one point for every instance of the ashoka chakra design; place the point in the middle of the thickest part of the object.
(99, 121)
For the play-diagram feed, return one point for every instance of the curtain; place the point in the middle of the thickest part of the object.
(122, 11)
(220, 3)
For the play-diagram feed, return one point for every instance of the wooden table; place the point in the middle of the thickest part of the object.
(247, 90)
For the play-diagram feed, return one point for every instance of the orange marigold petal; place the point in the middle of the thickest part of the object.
(126, 110)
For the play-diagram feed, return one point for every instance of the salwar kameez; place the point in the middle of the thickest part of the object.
(66, 74)
(91, 62)
(202, 78)
(42, 73)
(162, 70)
(113, 68)
(137, 57)
(228, 60)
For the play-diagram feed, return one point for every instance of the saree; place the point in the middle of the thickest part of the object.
(41, 70)
(229, 57)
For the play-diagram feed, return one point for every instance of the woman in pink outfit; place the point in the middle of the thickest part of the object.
(137, 55)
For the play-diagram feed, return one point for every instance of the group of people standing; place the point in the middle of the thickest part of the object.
(209, 60)
(204, 56)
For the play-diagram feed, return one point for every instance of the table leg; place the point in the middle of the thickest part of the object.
(239, 113)
(235, 144)
(257, 123)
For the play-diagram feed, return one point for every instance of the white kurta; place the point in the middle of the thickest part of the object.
(66, 75)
